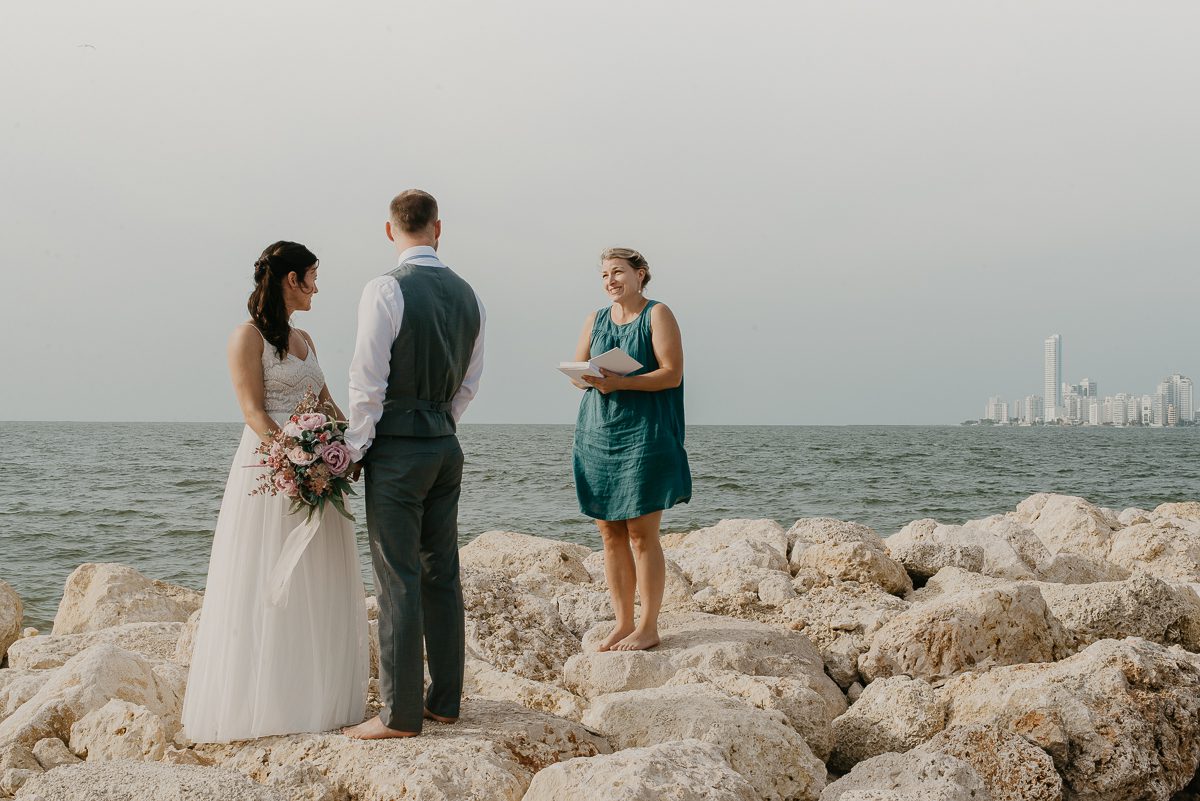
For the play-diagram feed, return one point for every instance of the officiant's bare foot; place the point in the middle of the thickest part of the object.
(618, 634)
(374, 729)
(638, 641)
(439, 718)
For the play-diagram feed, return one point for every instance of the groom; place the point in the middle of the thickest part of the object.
(417, 362)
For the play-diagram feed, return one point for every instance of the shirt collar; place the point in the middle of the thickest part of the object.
(423, 254)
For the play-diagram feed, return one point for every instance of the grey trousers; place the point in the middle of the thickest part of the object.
(412, 486)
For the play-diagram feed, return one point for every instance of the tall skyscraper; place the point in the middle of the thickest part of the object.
(1087, 388)
(1179, 393)
(1052, 395)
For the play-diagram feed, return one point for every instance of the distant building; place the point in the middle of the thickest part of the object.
(1052, 377)
(1087, 388)
(1179, 394)
(1033, 409)
(996, 411)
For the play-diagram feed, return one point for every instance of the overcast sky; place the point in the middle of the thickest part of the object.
(859, 212)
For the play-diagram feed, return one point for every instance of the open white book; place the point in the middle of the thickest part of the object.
(615, 361)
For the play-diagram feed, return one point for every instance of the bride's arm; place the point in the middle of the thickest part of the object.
(324, 397)
(245, 367)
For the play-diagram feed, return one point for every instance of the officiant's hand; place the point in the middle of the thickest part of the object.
(611, 382)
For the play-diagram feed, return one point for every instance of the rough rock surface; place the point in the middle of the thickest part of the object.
(485, 681)
(846, 552)
(682, 770)
(734, 556)
(98, 596)
(1168, 548)
(995, 546)
(966, 630)
(1120, 719)
(154, 640)
(1142, 606)
(923, 554)
(87, 682)
(893, 714)
(11, 612)
(707, 643)
(119, 730)
(515, 631)
(1011, 767)
(144, 781)
(840, 618)
(1073, 568)
(758, 743)
(513, 555)
(52, 752)
(491, 754)
(187, 639)
(1068, 523)
(914, 776)
(1185, 510)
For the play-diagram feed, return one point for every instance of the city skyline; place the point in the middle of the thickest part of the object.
(1172, 402)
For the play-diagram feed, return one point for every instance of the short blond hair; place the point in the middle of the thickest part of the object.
(635, 260)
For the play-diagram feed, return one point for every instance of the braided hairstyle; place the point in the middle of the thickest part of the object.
(266, 305)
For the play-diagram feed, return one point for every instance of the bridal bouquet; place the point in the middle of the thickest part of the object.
(308, 460)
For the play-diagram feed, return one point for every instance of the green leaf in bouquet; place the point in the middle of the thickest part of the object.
(340, 505)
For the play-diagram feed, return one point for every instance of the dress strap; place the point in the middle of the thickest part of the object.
(260, 333)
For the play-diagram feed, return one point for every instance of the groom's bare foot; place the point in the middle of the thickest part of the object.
(638, 641)
(374, 729)
(619, 633)
(439, 718)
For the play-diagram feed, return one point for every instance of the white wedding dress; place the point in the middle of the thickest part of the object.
(259, 669)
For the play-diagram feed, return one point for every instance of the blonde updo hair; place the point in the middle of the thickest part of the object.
(636, 260)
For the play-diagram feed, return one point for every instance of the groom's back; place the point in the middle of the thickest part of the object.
(432, 352)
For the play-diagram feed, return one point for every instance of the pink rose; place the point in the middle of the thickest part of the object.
(300, 456)
(337, 457)
(288, 488)
(311, 421)
(291, 429)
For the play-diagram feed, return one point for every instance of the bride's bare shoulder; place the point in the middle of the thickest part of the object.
(245, 338)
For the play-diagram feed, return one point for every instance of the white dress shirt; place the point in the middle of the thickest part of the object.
(380, 312)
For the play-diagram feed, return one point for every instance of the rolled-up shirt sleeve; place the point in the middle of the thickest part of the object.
(470, 384)
(380, 312)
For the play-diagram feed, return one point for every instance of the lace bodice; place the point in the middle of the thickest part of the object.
(285, 380)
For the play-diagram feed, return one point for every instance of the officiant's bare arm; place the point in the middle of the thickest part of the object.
(325, 396)
(583, 348)
(245, 352)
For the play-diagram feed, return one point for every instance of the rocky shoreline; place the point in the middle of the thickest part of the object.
(1052, 652)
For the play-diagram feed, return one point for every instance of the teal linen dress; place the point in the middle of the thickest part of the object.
(628, 457)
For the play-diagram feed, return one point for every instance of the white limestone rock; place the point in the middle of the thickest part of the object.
(707, 643)
(52, 753)
(485, 681)
(18, 686)
(893, 714)
(1142, 606)
(1120, 719)
(1073, 568)
(680, 770)
(1169, 548)
(512, 554)
(1182, 511)
(491, 754)
(732, 557)
(1133, 516)
(806, 711)
(99, 596)
(966, 630)
(187, 639)
(923, 554)
(914, 776)
(758, 744)
(845, 551)
(11, 613)
(88, 681)
(1011, 767)
(839, 617)
(514, 631)
(144, 781)
(119, 730)
(1068, 523)
(995, 546)
(153, 640)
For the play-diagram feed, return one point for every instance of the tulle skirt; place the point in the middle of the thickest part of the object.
(258, 669)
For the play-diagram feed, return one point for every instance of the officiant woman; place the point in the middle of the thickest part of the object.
(629, 457)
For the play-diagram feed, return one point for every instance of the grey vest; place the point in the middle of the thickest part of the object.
(431, 353)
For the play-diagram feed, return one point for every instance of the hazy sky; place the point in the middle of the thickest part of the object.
(860, 212)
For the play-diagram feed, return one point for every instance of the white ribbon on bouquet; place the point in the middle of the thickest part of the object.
(293, 548)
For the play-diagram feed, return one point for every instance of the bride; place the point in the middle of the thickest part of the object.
(258, 669)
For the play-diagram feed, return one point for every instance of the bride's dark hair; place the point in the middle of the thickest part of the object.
(266, 305)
